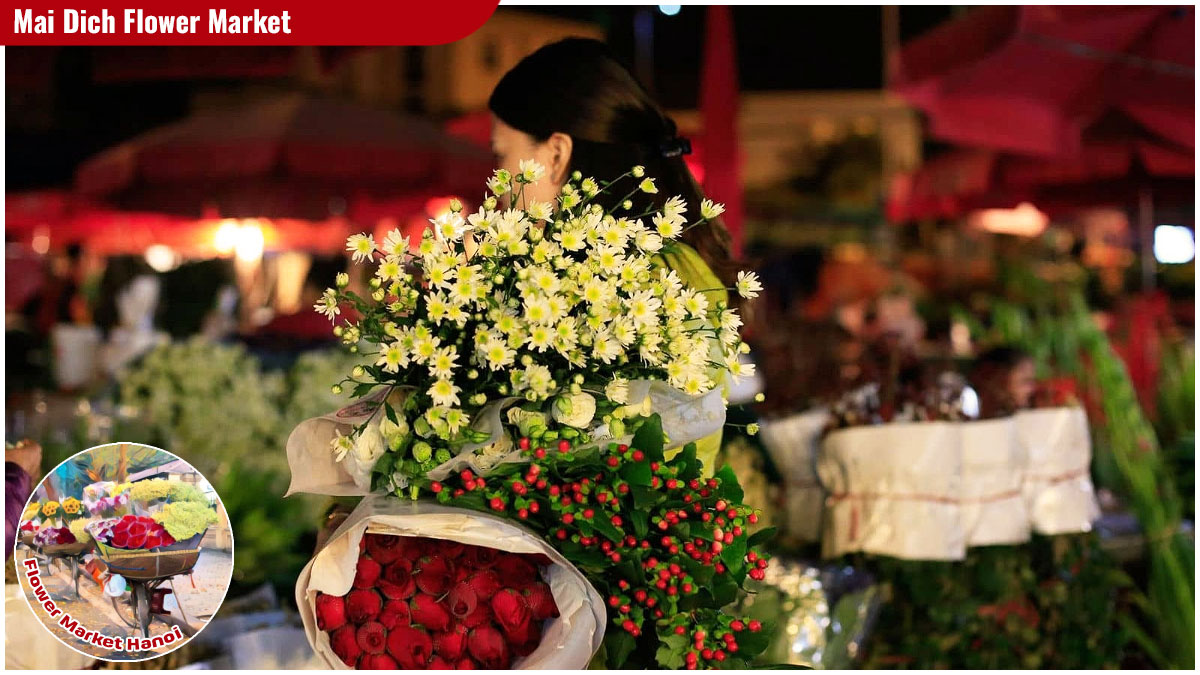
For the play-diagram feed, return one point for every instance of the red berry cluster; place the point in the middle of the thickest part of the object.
(668, 541)
(420, 603)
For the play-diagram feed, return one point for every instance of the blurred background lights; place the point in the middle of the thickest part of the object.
(226, 237)
(250, 242)
(161, 258)
(669, 10)
(1174, 244)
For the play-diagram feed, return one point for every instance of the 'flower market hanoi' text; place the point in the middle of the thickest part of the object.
(138, 22)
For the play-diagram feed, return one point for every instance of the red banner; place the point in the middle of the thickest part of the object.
(235, 22)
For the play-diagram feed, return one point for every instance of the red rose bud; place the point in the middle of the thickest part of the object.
(462, 599)
(376, 662)
(541, 601)
(464, 663)
(452, 644)
(397, 582)
(344, 642)
(363, 605)
(372, 637)
(395, 613)
(433, 574)
(367, 573)
(428, 612)
(511, 610)
(515, 570)
(482, 615)
(527, 640)
(331, 612)
(438, 663)
(488, 648)
(384, 548)
(411, 647)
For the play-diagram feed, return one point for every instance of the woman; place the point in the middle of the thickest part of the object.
(571, 106)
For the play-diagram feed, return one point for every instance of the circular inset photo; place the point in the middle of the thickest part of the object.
(124, 552)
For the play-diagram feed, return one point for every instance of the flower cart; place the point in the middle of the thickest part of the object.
(144, 571)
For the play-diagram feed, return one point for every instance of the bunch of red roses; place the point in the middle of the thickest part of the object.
(419, 603)
(667, 547)
(132, 533)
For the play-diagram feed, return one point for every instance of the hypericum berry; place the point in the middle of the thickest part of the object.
(523, 513)
(540, 453)
(497, 504)
(466, 475)
(613, 462)
(638, 455)
(436, 487)
(755, 625)
(523, 443)
(680, 630)
(737, 625)
(568, 518)
(753, 518)
(721, 505)
(564, 446)
(613, 601)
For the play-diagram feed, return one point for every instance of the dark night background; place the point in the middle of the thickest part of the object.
(779, 48)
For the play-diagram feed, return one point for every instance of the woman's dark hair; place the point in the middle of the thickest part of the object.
(613, 124)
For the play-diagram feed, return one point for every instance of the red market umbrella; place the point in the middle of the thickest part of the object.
(1031, 79)
(293, 157)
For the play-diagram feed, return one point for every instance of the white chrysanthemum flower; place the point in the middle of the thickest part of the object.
(695, 303)
(571, 239)
(393, 358)
(737, 367)
(328, 304)
(570, 198)
(666, 227)
(710, 209)
(395, 243)
(497, 354)
(341, 445)
(482, 219)
(605, 347)
(390, 269)
(531, 171)
(540, 211)
(624, 332)
(444, 393)
(675, 208)
(443, 362)
(608, 259)
(589, 186)
(538, 311)
(648, 241)
(543, 279)
(648, 186)
(617, 391)
(642, 307)
(456, 420)
(362, 246)
(498, 186)
(425, 347)
(449, 226)
(748, 285)
(696, 383)
(540, 338)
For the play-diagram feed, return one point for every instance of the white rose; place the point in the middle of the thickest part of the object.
(368, 448)
(526, 420)
(574, 410)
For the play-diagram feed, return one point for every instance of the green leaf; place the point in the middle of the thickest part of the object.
(763, 535)
(607, 529)
(670, 653)
(619, 646)
(641, 523)
(391, 414)
(649, 439)
(637, 473)
(724, 590)
(734, 555)
(730, 489)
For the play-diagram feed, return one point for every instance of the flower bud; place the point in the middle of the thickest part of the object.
(455, 205)
(342, 280)
(376, 282)
(639, 171)
(336, 389)
(358, 371)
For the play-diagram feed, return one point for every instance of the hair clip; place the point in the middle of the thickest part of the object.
(675, 147)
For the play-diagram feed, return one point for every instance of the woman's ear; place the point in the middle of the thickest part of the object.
(560, 146)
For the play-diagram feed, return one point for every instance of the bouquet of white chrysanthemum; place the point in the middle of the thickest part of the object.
(537, 320)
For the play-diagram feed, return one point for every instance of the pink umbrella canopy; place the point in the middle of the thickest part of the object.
(1032, 79)
(293, 157)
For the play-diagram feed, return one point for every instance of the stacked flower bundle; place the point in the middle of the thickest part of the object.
(131, 533)
(531, 360)
(420, 603)
(105, 498)
(54, 536)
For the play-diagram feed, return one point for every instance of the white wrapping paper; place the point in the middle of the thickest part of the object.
(568, 642)
(993, 501)
(894, 490)
(1058, 482)
(792, 442)
(316, 470)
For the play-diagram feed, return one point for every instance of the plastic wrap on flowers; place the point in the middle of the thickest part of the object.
(568, 641)
(894, 490)
(792, 442)
(1058, 482)
(993, 501)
